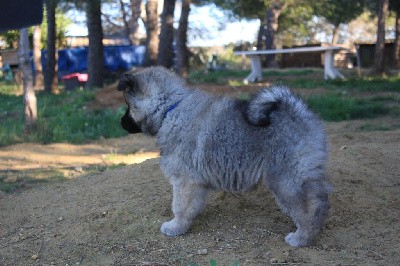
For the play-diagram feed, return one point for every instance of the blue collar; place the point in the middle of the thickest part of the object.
(172, 107)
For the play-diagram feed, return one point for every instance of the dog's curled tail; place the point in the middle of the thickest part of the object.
(272, 99)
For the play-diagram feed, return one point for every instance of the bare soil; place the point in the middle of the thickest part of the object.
(113, 217)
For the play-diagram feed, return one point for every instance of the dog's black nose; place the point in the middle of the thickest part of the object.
(129, 124)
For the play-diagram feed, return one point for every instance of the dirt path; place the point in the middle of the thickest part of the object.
(113, 217)
(30, 156)
(26, 164)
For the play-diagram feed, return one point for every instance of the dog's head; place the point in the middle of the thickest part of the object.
(149, 94)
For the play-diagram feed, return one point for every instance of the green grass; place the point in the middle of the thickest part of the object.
(62, 118)
(8, 88)
(223, 76)
(367, 84)
(334, 107)
(216, 77)
(21, 181)
(373, 127)
(291, 72)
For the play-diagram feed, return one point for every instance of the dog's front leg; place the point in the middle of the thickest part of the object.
(189, 199)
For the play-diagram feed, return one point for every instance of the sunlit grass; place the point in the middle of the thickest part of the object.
(366, 84)
(62, 118)
(334, 107)
(216, 77)
(226, 76)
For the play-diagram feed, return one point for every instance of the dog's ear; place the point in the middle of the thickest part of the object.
(128, 81)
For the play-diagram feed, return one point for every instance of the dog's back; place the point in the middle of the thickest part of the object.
(231, 144)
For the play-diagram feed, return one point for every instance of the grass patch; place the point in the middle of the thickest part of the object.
(8, 88)
(371, 84)
(216, 77)
(373, 127)
(367, 84)
(290, 72)
(102, 167)
(62, 118)
(12, 182)
(235, 82)
(226, 76)
(304, 83)
(334, 107)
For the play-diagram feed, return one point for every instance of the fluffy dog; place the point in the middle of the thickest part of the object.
(219, 143)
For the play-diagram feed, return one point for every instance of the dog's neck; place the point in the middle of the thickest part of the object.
(172, 107)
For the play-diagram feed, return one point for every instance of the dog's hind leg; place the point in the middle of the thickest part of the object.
(308, 208)
(189, 199)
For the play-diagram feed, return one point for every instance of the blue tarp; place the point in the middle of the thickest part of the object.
(115, 58)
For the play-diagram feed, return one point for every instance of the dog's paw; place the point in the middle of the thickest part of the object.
(172, 228)
(294, 240)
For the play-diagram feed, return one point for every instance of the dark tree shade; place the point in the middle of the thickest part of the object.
(394, 5)
(380, 39)
(50, 78)
(181, 41)
(151, 32)
(96, 54)
(165, 47)
(272, 17)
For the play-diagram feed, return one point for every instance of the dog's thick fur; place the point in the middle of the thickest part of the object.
(218, 143)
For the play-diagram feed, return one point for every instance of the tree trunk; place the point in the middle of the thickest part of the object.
(165, 48)
(272, 17)
(29, 94)
(136, 8)
(152, 40)
(181, 41)
(125, 20)
(50, 78)
(380, 39)
(335, 34)
(397, 40)
(261, 35)
(96, 50)
(37, 58)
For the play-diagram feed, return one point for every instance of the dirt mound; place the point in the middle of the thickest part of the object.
(108, 97)
(113, 218)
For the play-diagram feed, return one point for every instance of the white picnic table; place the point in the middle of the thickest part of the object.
(330, 72)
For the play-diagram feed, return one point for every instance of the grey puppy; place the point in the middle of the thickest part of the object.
(218, 143)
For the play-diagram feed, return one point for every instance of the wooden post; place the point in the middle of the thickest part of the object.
(29, 94)
(37, 59)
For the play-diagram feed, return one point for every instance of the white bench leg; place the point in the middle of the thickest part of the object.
(256, 74)
(330, 71)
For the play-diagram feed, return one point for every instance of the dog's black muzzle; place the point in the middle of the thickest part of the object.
(129, 125)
